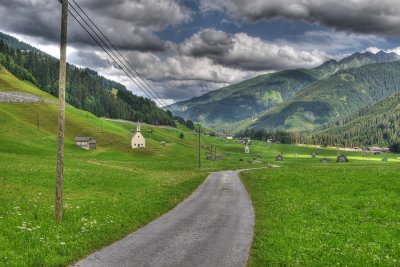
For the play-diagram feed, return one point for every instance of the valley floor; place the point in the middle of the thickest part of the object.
(307, 212)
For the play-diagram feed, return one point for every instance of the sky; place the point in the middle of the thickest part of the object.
(185, 48)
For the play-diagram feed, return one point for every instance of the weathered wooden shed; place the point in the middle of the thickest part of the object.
(342, 158)
(85, 142)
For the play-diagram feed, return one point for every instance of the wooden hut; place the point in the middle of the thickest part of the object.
(85, 142)
(342, 158)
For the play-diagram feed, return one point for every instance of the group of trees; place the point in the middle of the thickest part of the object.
(277, 136)
(367, 127)
(364, 135)
(85, 89)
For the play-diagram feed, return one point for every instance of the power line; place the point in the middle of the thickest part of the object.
(108, 40)
(139, 85)
(107, 52)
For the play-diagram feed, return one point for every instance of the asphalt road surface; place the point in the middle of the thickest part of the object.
(212, 227)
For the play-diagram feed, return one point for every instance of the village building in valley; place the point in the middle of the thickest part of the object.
(138, 140)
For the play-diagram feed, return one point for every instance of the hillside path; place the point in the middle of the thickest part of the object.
(212, 227)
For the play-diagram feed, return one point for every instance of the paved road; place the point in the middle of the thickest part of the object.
(213, 227)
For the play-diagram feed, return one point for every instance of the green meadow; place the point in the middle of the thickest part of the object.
(326, 214)
(108, 192)
(307, 212)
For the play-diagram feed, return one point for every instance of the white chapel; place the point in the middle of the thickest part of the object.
(138, 139)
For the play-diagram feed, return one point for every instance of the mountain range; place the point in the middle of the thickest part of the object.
(300, 99)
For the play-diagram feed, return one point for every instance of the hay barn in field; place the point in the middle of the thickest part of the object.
(85, 142)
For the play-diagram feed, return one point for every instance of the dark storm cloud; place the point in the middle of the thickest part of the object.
(359, 16)
(129, 24)
(152, 14)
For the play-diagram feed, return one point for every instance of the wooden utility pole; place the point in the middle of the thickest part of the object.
(61, 111)
(199, 147)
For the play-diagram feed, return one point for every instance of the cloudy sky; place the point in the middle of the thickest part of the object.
(185, 48)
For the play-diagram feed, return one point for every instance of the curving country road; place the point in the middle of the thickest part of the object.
(212, 227)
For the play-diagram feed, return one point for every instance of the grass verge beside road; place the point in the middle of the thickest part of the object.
(318, 214)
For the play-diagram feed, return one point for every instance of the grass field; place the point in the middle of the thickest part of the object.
(325, 214)
(306, 211)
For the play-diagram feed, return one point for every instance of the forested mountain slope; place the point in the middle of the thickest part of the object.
(245, 99)
(335, 97)
(377, 125)
(85, 89)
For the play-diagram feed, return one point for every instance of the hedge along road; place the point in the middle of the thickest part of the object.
(212, 227)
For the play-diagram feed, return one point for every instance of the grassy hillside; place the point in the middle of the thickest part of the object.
(334, 97)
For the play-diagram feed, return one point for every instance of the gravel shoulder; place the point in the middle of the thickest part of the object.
(17, 97)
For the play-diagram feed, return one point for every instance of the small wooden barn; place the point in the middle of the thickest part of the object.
(85, 142)
(342, 158)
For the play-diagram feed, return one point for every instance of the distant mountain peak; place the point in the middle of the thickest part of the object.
(381, 52)
(369, 57)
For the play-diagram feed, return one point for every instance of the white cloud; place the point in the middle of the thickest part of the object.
(372, 50)
(375, 50)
